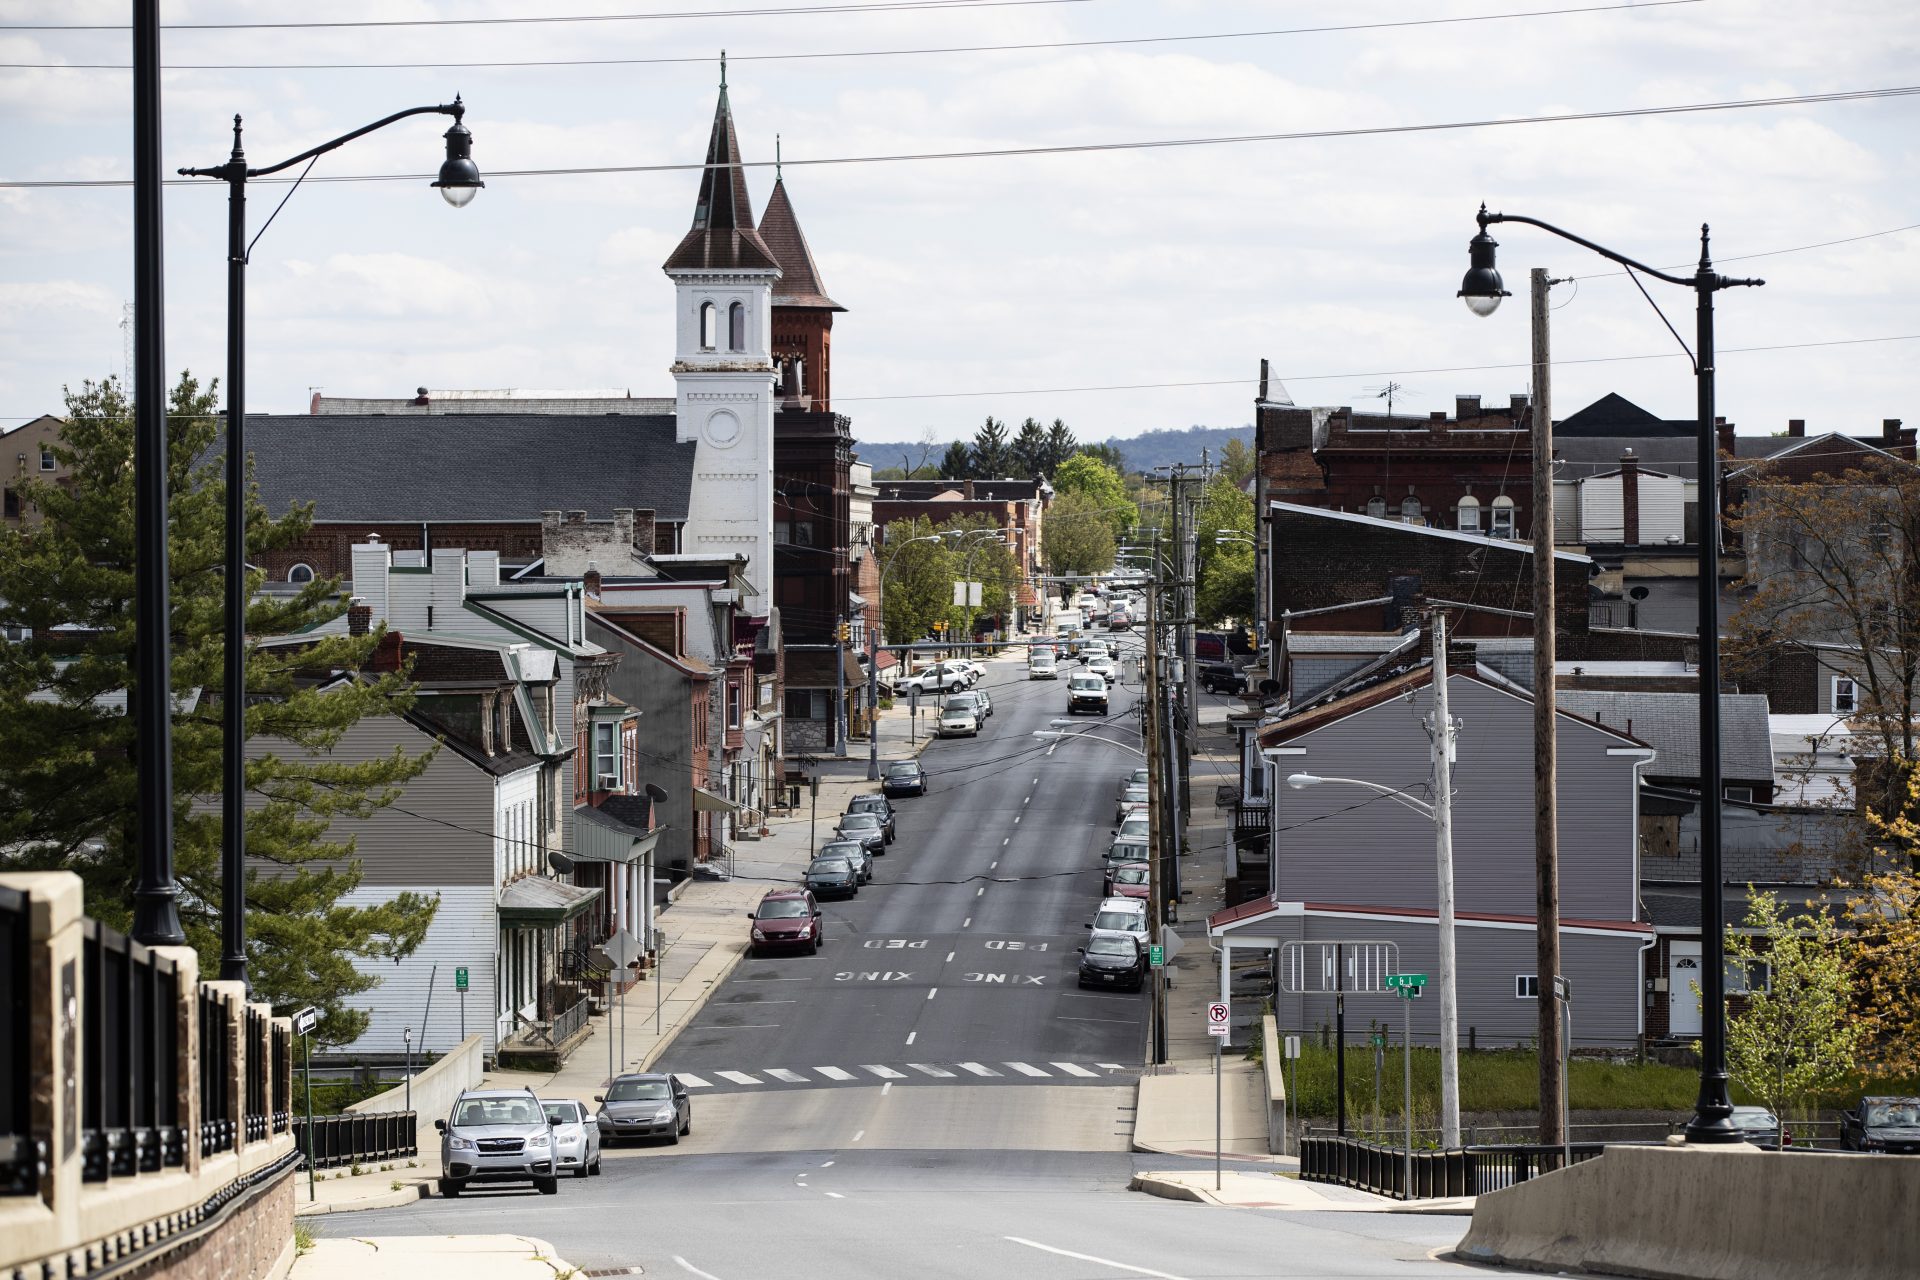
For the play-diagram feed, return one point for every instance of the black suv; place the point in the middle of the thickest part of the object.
(1223, 677)
(875, 804)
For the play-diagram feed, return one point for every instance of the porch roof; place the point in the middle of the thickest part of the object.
(536, 900)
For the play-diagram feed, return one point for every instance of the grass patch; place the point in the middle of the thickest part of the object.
(302, 1237)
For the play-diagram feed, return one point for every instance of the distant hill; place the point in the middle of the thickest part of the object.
(1143, 452)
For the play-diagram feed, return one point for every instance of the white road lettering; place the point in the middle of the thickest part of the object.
(871, 975)
(893, 944)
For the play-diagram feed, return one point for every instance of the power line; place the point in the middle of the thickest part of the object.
(885, 6)
(707, 59)
(1081, 148)
(1771, 253)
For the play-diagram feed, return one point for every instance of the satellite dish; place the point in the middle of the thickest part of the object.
(1639, 593)
(656, 793)
(1268, 688)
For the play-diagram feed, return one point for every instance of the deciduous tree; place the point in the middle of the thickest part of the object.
(1078, 535)
(1226, 568)
(919, 580)
(1087, 476)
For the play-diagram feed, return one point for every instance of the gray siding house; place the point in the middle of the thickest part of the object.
(1349, 863)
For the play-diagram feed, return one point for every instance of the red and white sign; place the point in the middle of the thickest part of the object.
(1217, 1019)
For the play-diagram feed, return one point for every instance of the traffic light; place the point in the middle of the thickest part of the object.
(843, 632)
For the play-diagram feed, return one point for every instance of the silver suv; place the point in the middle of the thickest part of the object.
(496, 1135)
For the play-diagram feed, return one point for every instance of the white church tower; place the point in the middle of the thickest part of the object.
(723, 370)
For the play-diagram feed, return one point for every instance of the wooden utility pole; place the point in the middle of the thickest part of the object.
(1546, 838)
(1449, 982)
(1157, 816)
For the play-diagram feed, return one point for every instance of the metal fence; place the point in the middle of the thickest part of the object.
(282, 1077)
(22, 1156)
(130, 1079)
(1461, 1171)
(358, 1138)
(217, 1128)
(566, 1024)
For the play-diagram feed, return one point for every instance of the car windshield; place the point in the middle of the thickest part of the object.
(1128, 921)
(639, 1091)
(1139, 777)
(841, 849)
(904, 769)
(1131, 875)
(956, 713)
(562, 1112)
(1111, 946)
(868, 804)
(1134, 826)
(1089, 682)
(782, 909)
(1897, 1115)
(829, 866)
(477, 1112)
(1126, 851)
(860, 821)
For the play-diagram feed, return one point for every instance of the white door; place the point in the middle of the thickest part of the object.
(1683, 972)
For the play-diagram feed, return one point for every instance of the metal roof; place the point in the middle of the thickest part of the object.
(1670, 724)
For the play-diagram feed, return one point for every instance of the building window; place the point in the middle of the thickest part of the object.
(1744, 977)
(1526, 986)
(1502, 526)
(1468, 513)
(606, 759)
(733, 705)
(709, 327)
(1377, 508)
(300, 574)
(1410, 509)
(737, 327)
(1743, 794)
(1846, 696)
(47, 460)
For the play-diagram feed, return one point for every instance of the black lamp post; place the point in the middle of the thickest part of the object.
(1481, 288)
(458, 181)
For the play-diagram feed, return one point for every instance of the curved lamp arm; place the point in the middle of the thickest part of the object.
(1300, 781)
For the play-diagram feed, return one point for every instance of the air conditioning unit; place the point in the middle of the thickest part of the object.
(609, 782)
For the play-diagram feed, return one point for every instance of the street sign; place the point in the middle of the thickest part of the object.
(1156, 955)
(1563, 989)
(460, 978)
(1396, 981)
(305, 1020)
(1309, 968)
(1379, 1041)
(1293, 1046)
(1217, 1014)
(1170, 941)
(622, 949)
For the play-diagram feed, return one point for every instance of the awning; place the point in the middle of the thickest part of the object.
(536, 900)
(599, 836)
(706, 801)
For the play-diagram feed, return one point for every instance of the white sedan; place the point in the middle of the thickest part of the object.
(1102, 666)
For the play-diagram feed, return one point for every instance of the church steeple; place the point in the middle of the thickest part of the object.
(723, 237)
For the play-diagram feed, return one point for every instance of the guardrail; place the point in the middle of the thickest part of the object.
(1460, 1171)
(356, 1138)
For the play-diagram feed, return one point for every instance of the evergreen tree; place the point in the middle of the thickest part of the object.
(1060, 445)
(992, 456)
(1106, 453)
(1029, 450)
(67, 762)
(958, 462)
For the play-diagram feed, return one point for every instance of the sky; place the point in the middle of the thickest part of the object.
(1120, 289)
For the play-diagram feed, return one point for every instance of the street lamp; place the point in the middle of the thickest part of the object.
(459, 179)
(873, 656)
(1713, 1110)
(1443, 924)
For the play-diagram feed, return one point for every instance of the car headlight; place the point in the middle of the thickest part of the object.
(460, 1144)
(666, 1113)
(758, 936)
(803, 931)
(540, 1140)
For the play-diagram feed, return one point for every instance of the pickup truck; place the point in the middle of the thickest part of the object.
(1883, 1124)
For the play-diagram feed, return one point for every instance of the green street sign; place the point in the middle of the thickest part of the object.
(1403, 981)
(1379, 1041)
(460, 978)
(1157, 955)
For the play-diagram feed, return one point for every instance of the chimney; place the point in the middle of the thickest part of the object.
(1890, 429)
(483, 570)
(359, 617)
(449, 586)
(966, 488)
(1724, 430)
(591, 580)
(1517, 405)
(1797, 427)
(1630, 498)
(1465, 407)
(1438, 415)
(420, 398)
(313, 403)
(390, 654)
(372, 561)
(1263, 379)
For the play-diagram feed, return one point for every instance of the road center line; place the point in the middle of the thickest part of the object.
(886, 1088)
(932, 992)
(1006, 842)
(1016, 819)
(692, 1270)
(992, 866)
(1087, 1257)
(949, 957)
(827, 1165)
(836, 1195)
(859, 1135)
(981, 892)
(967, 923)
(911, 1035)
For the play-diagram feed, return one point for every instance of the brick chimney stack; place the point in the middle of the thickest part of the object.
(1630, 498)
(1796, 427)
(1465, 407)
(1724, 430)
(591, 580)
(359, 617)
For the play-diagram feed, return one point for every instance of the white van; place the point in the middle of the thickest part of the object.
(1042, 665)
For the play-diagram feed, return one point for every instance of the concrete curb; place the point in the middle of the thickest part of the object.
(695, 1005)
(389, 1199)
(1167, 1190)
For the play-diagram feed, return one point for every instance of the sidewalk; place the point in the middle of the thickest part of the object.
(342, 1191)
(1242, 1190)
(411, 1257)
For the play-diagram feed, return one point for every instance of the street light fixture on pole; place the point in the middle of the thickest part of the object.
(1482, 290)
(458, 181)
(874, 625)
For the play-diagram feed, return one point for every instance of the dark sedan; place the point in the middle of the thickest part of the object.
(875, 804)
(832, 878)
(1113, 960)
(853, 851)
(868, 829)
(644, 1105)
(905, 778)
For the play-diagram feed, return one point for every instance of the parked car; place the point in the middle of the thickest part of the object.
(904, 778)
(645, 1104)
(855, 851)
(1883, 1124)
(496, 1135)
(875, 803)
(1761, 1127)
(1127, 880)
(866, 828)
(1125, 849)
(1131, 826)
(834, 877)
(1120, 915)
(986, 701)
(1042, 665)
(1086, 692)
(975, 700)
(1116, 960)
(1133, 797)
(957, 722)
(1223, 677)
(786, 919)
(576, 1137)
(1138, 778)
(935, 677)
(974, 671)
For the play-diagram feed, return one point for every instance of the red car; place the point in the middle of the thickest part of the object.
(1128, 880)
(786, 919)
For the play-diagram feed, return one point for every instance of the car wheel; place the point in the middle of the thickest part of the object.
(813, 948)
(449, 1189)
(547, 1186)
(673, 1139)
(686, 1130)
(581, 1172)
(595, 1170)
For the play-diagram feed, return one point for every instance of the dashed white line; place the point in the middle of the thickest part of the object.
(1028, 800)
(1087, 1257)
(1036, 782)
(1016, 819)
(949, 957)
(827, 1165)
(967, 923)
(932, 992)
(1006, 842)
(836, 1195)
(981, 892)
(859, 1135)
(992, 865)
(911, 1035)
(886, 1088)
(692, 1270)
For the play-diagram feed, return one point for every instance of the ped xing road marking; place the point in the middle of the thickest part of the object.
(893, 944)
(885, 1073)
(1006, 944)
(871, 975)
(831, 1073)
(738, 1077)
(693, 1082)
(790, 1077)
(1087, 1257)
(1005, 979)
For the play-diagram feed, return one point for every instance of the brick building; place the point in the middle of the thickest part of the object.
(26, 453)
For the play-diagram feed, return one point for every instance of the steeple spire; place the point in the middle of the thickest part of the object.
(799, 275)
(722, 236)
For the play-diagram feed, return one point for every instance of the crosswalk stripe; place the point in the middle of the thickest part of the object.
(1071, 1068)
(692, 1082)
(738, 1077)
(885, 1073)
(1026, 1070)
(834, 1073)
(1109, 1066)
(924, 1069)
(791, 1077)
(977, 1069)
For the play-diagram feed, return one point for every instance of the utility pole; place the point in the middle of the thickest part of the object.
(1546, 838)
(840, 688)
(1156, 818)
(1443, 858)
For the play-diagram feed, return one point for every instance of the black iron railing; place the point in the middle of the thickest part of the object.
(282, 1077)
(23, 1154)
(1460, 1171)
(259, 1045)
(130, 1079)
(216, 1073)
(356, 1139)
(570, 1022)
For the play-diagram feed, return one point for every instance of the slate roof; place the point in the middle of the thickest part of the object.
(1670, 724)
(476, 467)
(723, 237)
(1613, 416)
(799, 284)
(1672, 905)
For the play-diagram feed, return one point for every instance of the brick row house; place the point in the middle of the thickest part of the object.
(1015, 507)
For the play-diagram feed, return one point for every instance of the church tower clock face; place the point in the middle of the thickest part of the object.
(723, 428)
